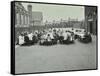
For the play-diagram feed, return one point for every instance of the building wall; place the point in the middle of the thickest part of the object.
(21, 16)
(91, 19)
(37, 18)
(29, 7)
(27, 18)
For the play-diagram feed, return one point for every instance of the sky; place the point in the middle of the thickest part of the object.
(56, 12)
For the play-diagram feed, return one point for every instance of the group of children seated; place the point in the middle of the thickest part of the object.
(50, 37)
(45, 37)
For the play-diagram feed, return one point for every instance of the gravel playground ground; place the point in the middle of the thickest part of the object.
(36, 58)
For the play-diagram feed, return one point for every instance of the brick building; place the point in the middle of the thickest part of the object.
(91, 19)
(27, 18)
